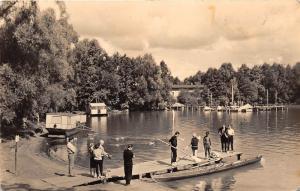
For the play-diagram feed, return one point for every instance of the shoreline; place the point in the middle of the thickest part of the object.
(34, 165)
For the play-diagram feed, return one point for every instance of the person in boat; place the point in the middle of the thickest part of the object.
(207, 144)
(230, 133)
(92, 161)
(71, 149)
(194, 144)
(99, 154)
(223, 137)
(128, 164)
(173, 142)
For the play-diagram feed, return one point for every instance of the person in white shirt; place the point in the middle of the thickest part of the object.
(71, 155)
(230, 133)
(99, 154)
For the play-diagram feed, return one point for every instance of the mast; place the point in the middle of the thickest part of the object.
(232, 93)
(267, 99)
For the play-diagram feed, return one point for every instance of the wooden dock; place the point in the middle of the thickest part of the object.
(140, 170)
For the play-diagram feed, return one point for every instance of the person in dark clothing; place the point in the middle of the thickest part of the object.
(223, 136)
(207, 144)
(128, 156)
(173, 142)
(194, 144)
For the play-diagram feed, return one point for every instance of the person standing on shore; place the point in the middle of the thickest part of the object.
(207, 144)
(92, 161)
(71, 155)
(173, 142)
(230, 133)
(223, 137)
(128, 164)
(194, 144)
(99, 154)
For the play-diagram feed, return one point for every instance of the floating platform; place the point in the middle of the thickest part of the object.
(140, 170)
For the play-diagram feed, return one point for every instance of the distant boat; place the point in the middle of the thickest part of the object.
(206, 108)
(64, 123)
(221, 108)
(246, 108)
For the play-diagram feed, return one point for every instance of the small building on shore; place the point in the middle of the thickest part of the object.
(97, 109)
(177, 106)
(63, 123)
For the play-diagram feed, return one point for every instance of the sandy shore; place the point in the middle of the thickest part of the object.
(34, 165)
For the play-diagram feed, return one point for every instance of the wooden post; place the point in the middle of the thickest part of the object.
(17, 138)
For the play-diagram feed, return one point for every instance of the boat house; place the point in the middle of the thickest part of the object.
(64, 120)
(97, 109)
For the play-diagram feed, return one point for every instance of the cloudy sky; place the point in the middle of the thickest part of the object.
(193, 35)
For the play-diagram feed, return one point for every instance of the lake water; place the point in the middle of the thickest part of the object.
(275, 135)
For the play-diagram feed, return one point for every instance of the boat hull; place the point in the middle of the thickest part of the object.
(65, 132)
(204, 170)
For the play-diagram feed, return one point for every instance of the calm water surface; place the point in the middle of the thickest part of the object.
(275, 135)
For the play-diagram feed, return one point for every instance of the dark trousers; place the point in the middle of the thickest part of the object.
(99, 167)
(224, 143)
(173, 155)
(71, 158)
(230, 143)
(128, 172)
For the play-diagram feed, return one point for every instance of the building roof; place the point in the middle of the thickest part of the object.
(97, 104)
(177, 105)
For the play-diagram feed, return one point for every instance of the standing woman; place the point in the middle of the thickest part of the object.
(99, 154)
(92, 161)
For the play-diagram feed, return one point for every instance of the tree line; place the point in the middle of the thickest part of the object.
(44, 67)
(249, 85)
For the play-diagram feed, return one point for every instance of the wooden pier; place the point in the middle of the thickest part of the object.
(140, 170)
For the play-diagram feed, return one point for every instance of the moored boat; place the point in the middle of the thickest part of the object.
(205, 169)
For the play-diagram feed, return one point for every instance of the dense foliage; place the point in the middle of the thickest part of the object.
(45, 68)
(250, 85)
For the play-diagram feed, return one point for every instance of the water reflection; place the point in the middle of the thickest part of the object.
(279, 144)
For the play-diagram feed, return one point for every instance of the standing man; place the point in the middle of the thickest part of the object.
(71, 155)
(230, 133)
(223, 136)
(194, 144)
(128, 156)
(173, 142)
(207, 144)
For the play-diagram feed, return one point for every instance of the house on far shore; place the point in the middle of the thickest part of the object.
(177, 106)
(97, 109)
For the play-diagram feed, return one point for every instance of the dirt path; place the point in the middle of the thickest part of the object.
(33, 166)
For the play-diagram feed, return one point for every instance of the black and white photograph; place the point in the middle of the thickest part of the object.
(149, 95)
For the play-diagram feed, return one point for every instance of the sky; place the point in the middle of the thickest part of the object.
(192, 35)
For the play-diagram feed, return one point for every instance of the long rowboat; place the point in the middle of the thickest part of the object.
(203, 170)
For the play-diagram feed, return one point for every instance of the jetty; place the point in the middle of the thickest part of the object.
(140, 170)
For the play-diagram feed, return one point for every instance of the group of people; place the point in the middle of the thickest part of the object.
(226, 135)
(194, 145)
(97, 154)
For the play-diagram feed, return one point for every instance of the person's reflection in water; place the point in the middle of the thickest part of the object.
(224, 183)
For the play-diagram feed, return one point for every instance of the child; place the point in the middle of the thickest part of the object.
(207, 144)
